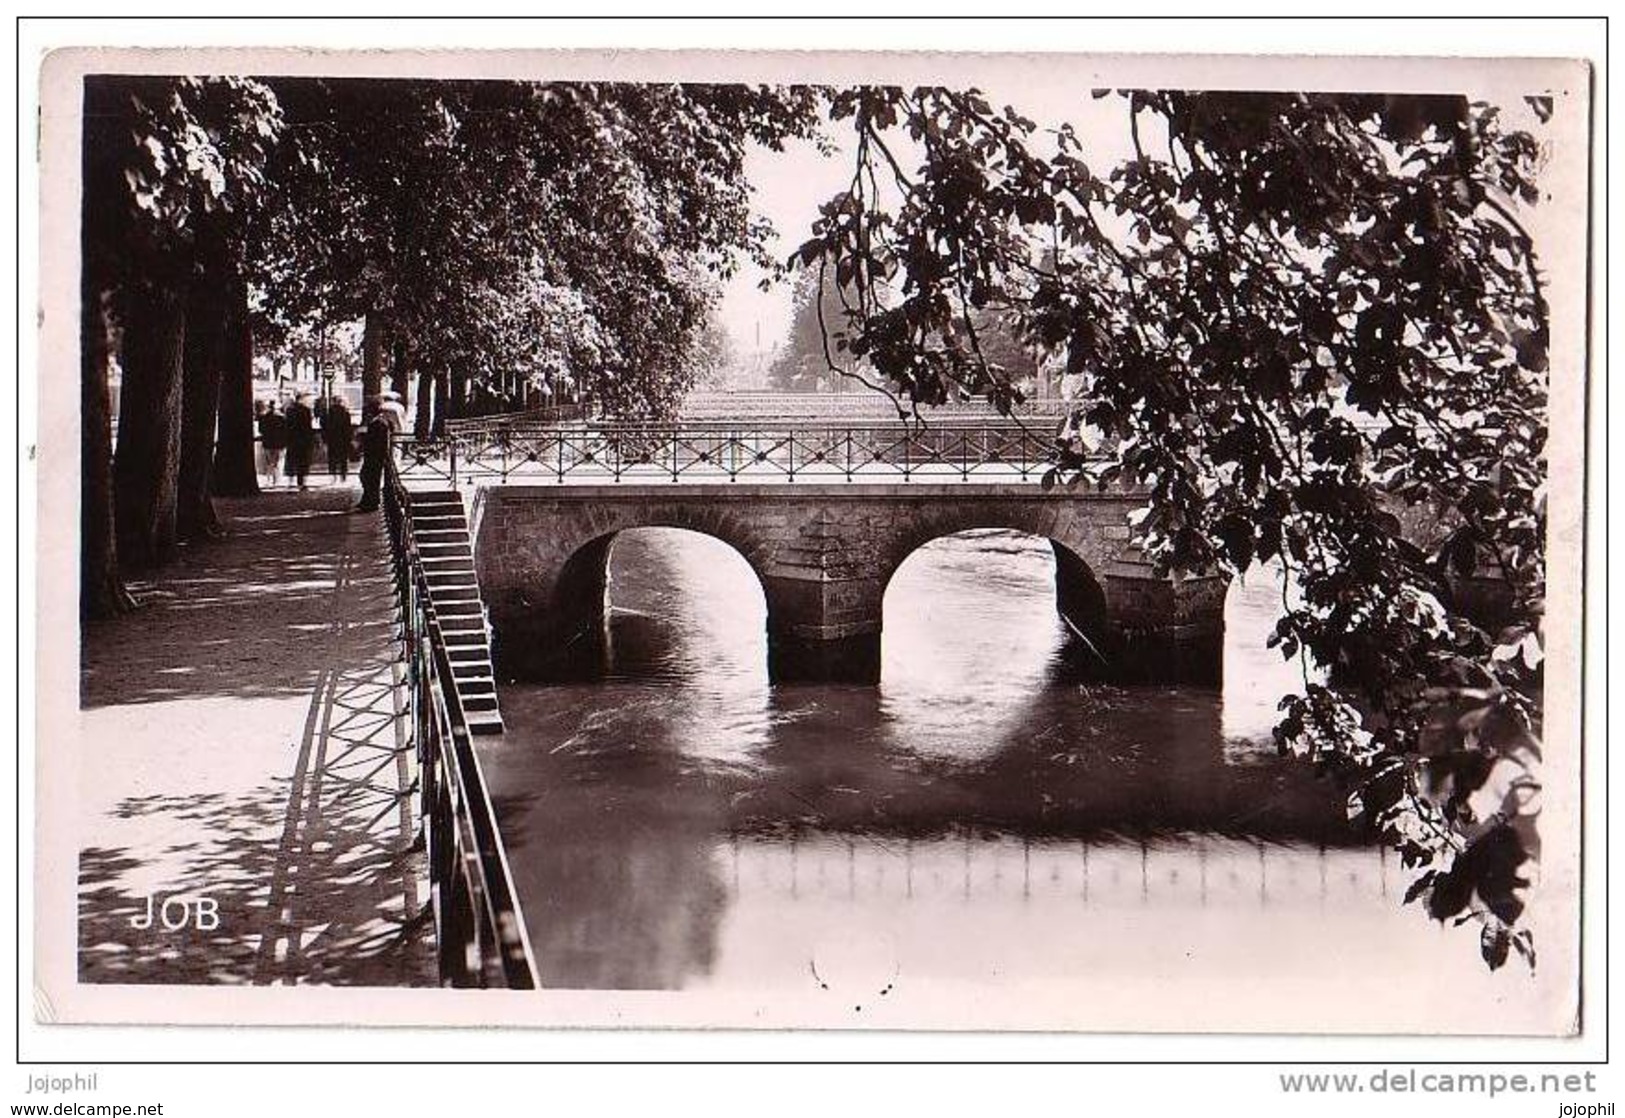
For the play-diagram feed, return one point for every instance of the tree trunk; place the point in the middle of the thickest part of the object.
(423, 419)
(458, 398)
(235, 472)
(442, 400)
(101, 593)
(207, 309)
(147, 462)
(374, 352)
(401, 368)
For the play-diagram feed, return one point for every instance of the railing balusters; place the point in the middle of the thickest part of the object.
(480, 934)
(615, 452)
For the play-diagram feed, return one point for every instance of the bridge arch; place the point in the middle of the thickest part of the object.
(1051, 520)
(593, 580)
(1080, 594)
(548, 609)
(1137, 624)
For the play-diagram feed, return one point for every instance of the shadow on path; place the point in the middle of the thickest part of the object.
(311, 868)
(244, 616)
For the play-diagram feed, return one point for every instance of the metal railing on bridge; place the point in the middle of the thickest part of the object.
(963, 449)
(479, 929)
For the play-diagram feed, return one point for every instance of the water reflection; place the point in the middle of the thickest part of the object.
(954, 662)
(681, 824)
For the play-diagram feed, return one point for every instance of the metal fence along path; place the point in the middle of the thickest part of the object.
(479, 930)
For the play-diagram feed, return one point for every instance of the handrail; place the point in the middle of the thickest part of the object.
(479, 929)
(997, 449)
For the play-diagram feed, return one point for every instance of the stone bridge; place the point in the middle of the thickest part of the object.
(824, 554)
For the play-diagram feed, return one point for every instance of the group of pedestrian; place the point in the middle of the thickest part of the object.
(288, 439)
(288, 436)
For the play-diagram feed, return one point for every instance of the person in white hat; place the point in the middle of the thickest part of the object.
(389, 406)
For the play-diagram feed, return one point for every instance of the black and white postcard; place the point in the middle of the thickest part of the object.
(827, 541)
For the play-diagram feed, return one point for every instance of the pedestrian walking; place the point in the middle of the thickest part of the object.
(301, 439)
(375, 438)
(338, 435)
(273, 429)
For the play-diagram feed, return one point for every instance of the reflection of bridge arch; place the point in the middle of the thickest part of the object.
(1179, 871)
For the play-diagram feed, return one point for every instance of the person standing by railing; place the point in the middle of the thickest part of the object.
(393, 411)
(375, 439)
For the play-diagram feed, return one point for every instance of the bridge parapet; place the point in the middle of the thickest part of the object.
(976, 449)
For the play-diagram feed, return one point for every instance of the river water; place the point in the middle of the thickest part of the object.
(982, 822)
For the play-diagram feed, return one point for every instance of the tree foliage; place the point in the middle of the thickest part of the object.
(714, 355)
(177, 167)
(1304, 319)
(515, 231)
(483, 231)
(805, 361)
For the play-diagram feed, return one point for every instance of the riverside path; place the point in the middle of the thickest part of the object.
(250, 764)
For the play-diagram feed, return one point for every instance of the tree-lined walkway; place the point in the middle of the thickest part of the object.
(1286, 310)
(244, 746)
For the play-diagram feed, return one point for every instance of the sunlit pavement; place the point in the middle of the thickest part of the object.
(247, 765)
